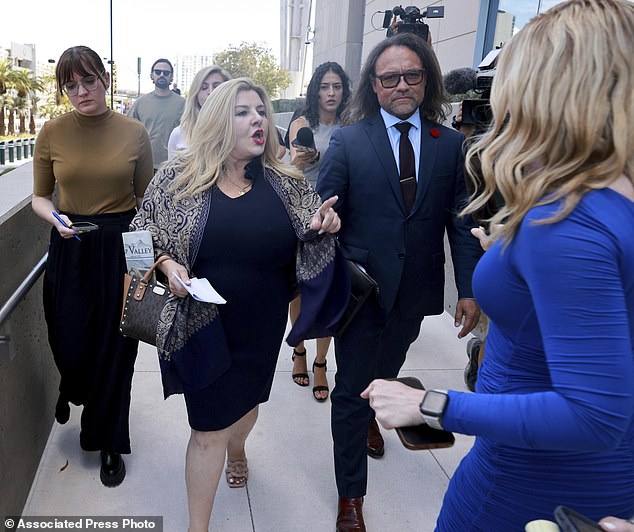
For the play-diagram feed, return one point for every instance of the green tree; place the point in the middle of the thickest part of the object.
(35, 100)
(251, 60)
(10, 105)
(26, 85)
(18, 88)
(54, 104)
(7, 75)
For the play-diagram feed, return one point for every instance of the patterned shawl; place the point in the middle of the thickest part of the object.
(188, 329)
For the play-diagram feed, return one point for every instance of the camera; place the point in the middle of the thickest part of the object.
(477, 112)
(411, 20)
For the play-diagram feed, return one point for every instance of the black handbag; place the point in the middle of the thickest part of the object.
(362, 286)
(143, 301)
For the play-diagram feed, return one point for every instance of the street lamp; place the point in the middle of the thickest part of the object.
(111, 62)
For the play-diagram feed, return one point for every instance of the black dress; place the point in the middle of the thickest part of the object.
(83, 291)
(247, 253)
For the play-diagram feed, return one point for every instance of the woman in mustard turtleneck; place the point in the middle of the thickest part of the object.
(99, 163)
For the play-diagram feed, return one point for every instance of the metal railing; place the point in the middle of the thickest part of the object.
(13, 301)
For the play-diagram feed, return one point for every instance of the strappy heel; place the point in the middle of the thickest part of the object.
(299, 375)
(237, 473)
(320, 388)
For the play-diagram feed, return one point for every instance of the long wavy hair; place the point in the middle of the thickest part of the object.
(192, 106)
(311, 106)
(213, 138)
(435, 105)
(563, 103)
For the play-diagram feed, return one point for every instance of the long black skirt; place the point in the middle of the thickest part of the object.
(83, 293)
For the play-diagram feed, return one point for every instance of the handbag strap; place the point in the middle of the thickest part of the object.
(143, 283)
(148, 274)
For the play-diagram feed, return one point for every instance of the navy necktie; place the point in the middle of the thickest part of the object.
(407, 165)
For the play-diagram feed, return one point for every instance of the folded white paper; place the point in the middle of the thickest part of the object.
(201, 290)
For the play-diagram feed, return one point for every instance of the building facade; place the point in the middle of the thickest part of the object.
(295, 42)
(186, 67)
(346, 30)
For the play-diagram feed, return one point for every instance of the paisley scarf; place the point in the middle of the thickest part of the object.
(190, 328)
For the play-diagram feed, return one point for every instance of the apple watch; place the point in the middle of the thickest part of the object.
(433, 406)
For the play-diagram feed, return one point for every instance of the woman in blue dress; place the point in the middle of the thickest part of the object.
(553, 412)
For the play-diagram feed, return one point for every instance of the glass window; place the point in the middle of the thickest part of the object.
(514, 14)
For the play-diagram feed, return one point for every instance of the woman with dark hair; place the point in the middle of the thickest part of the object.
(100, 163)
(326, 98)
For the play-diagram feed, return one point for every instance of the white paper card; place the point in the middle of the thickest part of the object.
(201, 290)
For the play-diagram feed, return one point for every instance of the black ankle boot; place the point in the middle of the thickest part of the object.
(62, 410)
(112, 469)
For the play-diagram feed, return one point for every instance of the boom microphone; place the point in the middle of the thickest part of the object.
(460, 81)
(305, 138)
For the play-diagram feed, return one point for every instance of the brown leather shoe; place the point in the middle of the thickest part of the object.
(376, 446)
(350, 516)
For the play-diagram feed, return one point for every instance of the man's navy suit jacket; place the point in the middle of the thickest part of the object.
(403, 252)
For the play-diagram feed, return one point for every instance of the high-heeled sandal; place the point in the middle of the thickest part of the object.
(320, 388)
(237, 473)
(299, 375)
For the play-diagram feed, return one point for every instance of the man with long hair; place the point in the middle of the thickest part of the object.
(399, 176)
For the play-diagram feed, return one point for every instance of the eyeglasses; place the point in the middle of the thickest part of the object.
(71, 88)
(412, 77)
(159, 72)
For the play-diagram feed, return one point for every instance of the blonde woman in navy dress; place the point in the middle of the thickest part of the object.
(228, 210)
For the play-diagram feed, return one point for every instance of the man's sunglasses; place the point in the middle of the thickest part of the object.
(391, 80)
(159, 72)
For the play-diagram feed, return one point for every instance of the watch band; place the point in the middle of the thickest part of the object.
(433, 406)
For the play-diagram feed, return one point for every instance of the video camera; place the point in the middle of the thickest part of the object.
(478, 112)
(411, 20)
(475, 112)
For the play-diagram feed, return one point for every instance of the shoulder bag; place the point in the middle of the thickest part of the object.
(143, 301)
(362, 286)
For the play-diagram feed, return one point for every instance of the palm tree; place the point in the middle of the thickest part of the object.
(9, 103)
(35, 100)
(54, 103)
(21, 107)
(26, 84)
(6, 69)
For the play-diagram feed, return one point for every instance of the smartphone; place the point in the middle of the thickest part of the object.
(82, 227)
(421, 437)
(571, 521)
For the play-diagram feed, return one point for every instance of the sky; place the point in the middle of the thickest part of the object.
(524, 10)
(149, 29)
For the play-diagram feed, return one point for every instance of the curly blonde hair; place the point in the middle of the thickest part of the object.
(213, 138)
(563, 106)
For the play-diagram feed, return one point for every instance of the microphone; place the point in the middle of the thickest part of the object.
(305, 139)
(460, 80)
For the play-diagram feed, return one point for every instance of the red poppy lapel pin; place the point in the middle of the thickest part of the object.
(434, 132)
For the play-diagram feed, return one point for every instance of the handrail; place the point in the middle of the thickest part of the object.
(21, 291)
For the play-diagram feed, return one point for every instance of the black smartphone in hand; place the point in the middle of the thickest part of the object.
(421, 437)
(571, 521)
(83, 227)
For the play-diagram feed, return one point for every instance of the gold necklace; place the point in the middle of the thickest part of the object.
(243, 190)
